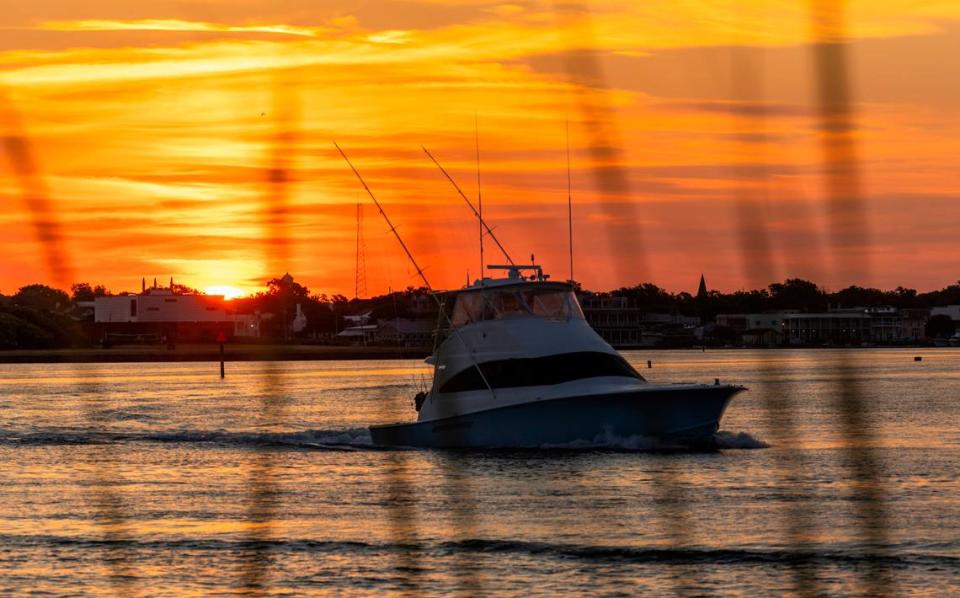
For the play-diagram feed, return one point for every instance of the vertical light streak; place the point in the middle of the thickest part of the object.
(848, 236)
(35, 194)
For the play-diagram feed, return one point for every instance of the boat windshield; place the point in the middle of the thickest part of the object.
(552, 304)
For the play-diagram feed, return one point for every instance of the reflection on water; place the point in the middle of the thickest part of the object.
(180, 446)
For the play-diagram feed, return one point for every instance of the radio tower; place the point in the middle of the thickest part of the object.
(360, 277)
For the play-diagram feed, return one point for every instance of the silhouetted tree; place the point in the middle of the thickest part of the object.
(940, 326)
(41, 297)
(946, 296)
(855, 296)
(182, 289)
(83, 291)
(796, 293)
(647, 295)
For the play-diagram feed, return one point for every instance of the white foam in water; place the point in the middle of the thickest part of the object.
(358, 437)
(738, 440)
(609, 440)
(347, 439)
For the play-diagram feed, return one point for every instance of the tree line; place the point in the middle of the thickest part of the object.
(791, 294)
(41, 317)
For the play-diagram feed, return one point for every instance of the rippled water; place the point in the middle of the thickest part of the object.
(163, 479)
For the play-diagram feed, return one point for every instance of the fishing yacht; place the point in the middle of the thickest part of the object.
(517, 366)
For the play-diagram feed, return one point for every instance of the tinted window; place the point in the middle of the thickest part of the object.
(537, 371)
(550, 303)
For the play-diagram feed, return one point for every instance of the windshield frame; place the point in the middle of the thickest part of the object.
(516, 301)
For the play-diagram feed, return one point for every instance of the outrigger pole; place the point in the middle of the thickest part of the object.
(423, 277)
(393, 229)
(476, 213)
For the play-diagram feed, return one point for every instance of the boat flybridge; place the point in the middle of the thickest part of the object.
(516, 365)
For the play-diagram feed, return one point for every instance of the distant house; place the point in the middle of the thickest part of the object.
(913, 326)
(877, 325)
(364, 334)
(622, 325)
(757, 330)
(762, 337)
(360, 319)
(405, 333)
(832, 328)
(839, 326)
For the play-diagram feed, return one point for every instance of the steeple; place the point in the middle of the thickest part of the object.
(702, 291)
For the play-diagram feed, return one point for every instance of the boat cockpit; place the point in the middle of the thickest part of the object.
(552, 301)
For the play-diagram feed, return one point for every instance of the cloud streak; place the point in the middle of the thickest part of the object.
(176, 25)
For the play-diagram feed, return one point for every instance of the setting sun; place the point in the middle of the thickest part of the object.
(227, 291)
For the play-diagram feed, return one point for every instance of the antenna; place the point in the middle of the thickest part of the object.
(360, 277)
(569, 202)
(476, 131)
(476, 213)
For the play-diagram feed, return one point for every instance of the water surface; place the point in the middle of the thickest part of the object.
(162, 479)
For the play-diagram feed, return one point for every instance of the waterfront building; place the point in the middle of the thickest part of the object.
(759, 329)
(159, 314)
(831, 328)
(875, 325)
(623, 325)
(359, 334)
(838, 326)
(400, 332)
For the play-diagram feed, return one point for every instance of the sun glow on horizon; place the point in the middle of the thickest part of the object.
(218, 166)
(227, 291)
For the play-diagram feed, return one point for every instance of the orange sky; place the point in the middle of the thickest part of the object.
(157, 131)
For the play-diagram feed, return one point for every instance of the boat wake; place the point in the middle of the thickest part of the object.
(893, 555)
(345, 440)
(738, 440)
(350, 439)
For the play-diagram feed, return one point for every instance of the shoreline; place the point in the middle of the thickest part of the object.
(211, 353)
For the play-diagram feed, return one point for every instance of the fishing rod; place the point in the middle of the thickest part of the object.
(423, 277)
(393, 229)
(483, 222)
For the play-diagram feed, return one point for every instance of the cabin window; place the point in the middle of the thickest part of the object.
(541, 371)
(508, 303)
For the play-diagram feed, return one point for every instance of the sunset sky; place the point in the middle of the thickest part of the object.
(193, 139)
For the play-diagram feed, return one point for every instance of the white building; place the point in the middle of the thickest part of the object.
(159, 305)
(406, 333)
(159, 310)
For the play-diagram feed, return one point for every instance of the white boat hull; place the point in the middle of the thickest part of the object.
(682, 415)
